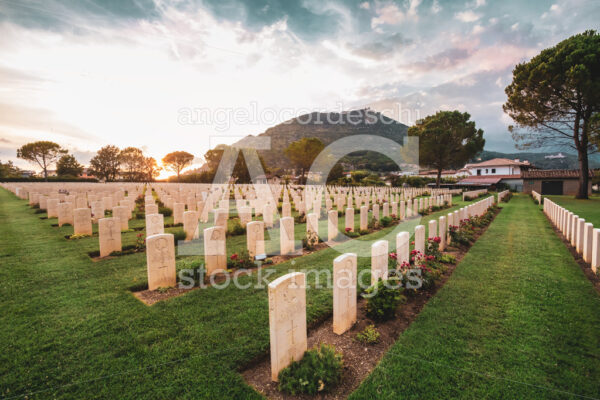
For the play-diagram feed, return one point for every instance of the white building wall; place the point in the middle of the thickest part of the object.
(491, 171)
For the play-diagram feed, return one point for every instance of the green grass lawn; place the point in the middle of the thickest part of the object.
(72, 329)
(586, 209)
(517, 320)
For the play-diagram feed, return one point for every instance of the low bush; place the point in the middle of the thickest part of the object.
(448, 259)
(318, 371)
(179, 235)
(236, 228)
(369, 335)
(310, 240)
(383, 299)
(166, 212)
(241, 260)
(386, 221)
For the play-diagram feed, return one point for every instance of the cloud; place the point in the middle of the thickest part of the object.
(443, 60)
(378, 50)
(365, 5)
(467, 16)
(477, 29)
(435, 7)
(3, 140)
(388, 14)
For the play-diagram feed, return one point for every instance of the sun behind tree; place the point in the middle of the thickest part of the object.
(177, 161)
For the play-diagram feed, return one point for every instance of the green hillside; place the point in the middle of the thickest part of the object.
(329, 127)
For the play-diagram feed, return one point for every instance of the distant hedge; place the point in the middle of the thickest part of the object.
(50, 179)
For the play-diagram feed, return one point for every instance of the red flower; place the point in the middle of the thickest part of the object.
(348, 230)
(234, 256)
(393, 255)
(413, 242)
(437, 239)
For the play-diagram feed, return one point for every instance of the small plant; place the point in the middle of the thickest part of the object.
(383, 299)
(236, 228)
(369, 335)
(310, 240)
(140, 242)
(448, 259)
(78, 236)
(433, 247)
(300, 219)
(372, 224)
(386, 221)
(319, 370)
(162, 290)
(363, 232)
(179, 235)
(240, 260)
(167, 212)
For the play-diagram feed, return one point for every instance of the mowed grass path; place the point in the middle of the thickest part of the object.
(517, 320)
(586, 209)
(71, 328)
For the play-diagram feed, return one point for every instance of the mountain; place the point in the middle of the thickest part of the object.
(328, 127)
(542, 160)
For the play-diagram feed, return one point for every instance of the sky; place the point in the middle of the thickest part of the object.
(167, 75)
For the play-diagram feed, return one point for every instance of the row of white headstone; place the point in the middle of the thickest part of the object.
(472, 194)
(287, 294)
(577, 231)
(502, 195)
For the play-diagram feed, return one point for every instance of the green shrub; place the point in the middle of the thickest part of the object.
(384, 298)
(179, 235)
(236, 228)
(310, 240)
(166, 212)
(363, 232)
(319, 370)
(369, 335)
(448, 259)
(386, 221)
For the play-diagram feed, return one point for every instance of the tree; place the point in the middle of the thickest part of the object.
(177, 161)
(42, 153)
(151, 169)
(68, 166)
(303, 152)
(241, 170)
(133, 164)
(555, 99)
(447, 139)
(8, 170)
(106, 164)
(336, 173)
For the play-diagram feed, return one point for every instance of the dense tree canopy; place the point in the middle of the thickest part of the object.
(555, 99)
(303, 152)
(42, 153)
(241, 170)
(151, 169)
(106, 164)
(447, 139)
(133, 164)
(8, 170)
(68, 166)
(177, 161)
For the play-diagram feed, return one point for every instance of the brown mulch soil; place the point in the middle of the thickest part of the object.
(586, 268)
(359, 359)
